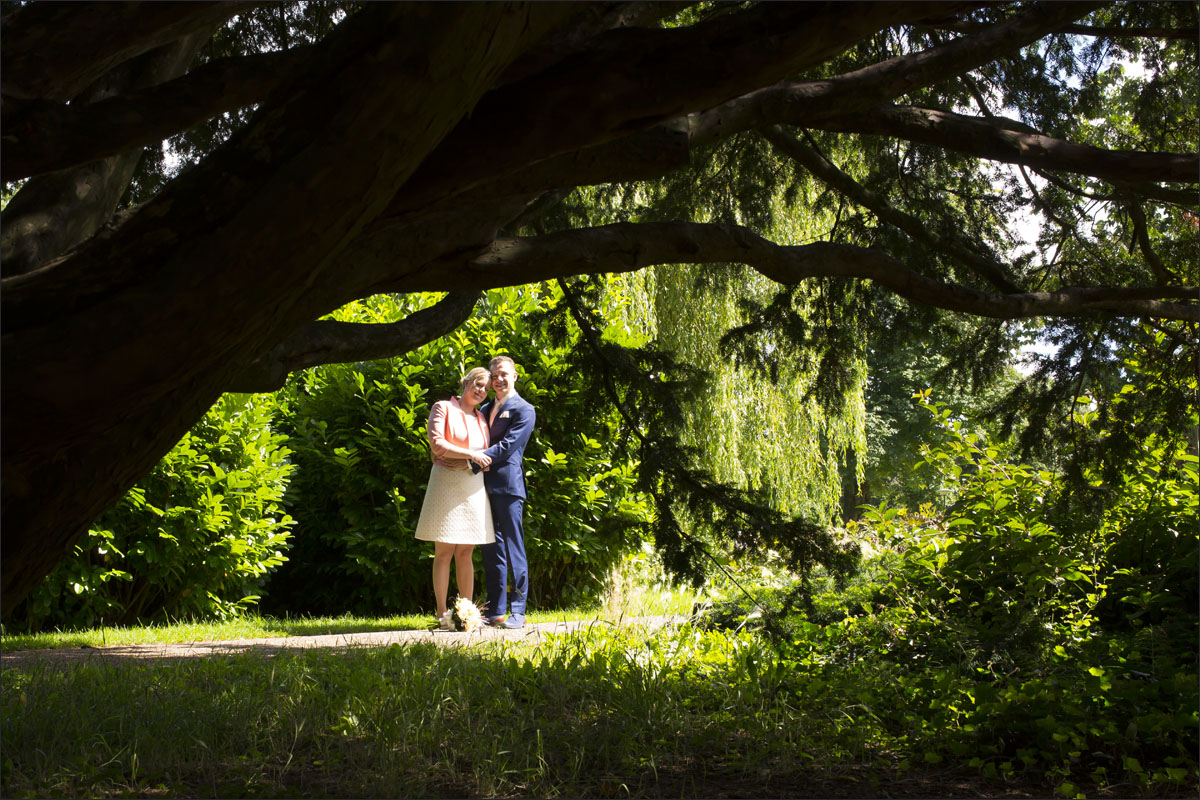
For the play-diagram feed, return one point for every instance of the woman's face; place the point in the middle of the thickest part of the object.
(476, 392)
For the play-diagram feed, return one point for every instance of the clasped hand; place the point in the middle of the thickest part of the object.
(481, 458)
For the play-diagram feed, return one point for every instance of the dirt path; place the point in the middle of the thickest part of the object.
(534, 632)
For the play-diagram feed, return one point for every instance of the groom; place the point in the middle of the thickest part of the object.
(511, 421)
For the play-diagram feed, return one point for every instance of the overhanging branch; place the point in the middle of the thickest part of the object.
(987, 267)
(635, 79)
(40, 136)
(1011, 142)
(627, 247)
(806, 104)
(332, 342)
(89, 39)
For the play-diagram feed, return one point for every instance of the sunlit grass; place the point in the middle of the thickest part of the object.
(251, 626)
(610, 710)
(636, 589)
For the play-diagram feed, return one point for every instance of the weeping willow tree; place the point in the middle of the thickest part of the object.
(746, 431)
(764, 430)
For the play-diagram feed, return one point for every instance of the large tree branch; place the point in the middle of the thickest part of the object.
(89, 39)
(807, 103)
(633, 79)
(154, 321)
(983, 263)
(331, 342)
(1013, 143)
(342, 145)
(41, 136)
(596, 18)
(56, 211)
(627, 247)
(392, 247)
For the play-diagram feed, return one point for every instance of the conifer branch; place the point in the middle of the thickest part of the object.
(661, 467)
(982, 263)
(625, 247)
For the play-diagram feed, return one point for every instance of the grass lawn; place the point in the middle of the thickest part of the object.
(623, 602)
(608, 711)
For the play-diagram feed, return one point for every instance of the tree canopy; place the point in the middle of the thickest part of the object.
(875, 162)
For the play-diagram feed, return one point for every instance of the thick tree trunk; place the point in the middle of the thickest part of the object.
(113, 352)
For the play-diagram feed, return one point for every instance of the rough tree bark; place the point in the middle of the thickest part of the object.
(389, 156)
(113, 352)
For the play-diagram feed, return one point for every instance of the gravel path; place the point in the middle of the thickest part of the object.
(533, 632)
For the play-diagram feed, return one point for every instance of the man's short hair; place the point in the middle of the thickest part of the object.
(502, 360)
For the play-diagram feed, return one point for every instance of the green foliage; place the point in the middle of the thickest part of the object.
(896, 427)
(1001, 625)
(1144, 517)
(999, 629)
(696, 515)
(359, 436)
(194, 538)
(9, 190)
(1000, 575)
(778, 371)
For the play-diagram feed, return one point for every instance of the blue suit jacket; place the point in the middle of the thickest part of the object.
(509, 435)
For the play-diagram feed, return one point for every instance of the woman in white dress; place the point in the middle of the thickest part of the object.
(455, 514)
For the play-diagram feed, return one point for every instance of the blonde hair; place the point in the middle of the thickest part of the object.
(473, 376)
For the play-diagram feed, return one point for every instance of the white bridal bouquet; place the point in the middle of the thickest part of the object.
(462, 616)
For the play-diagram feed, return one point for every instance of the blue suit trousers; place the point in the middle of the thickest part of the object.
(506, 554)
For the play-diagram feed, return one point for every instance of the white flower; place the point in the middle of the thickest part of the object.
(462, 616)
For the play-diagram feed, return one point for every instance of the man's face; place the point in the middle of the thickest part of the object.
(503, 379)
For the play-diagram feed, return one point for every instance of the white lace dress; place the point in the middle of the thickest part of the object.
(456, 507)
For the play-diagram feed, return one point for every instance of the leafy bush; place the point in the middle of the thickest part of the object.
(994, 641)
(998, 575)
(358, 433)
(194, 538)
(1143, 519)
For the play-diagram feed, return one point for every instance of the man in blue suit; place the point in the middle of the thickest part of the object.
(511, 420)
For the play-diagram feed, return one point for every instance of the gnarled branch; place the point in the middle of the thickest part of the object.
(89, 39)
(627, 247)
(41, 136)
(332, 342)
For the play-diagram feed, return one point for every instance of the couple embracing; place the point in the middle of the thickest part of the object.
(476, 493)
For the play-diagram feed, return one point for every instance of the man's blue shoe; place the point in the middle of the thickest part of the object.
(514, 621)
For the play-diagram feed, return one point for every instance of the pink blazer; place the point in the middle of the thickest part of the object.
(449, 423)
